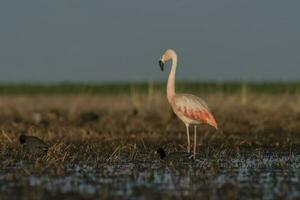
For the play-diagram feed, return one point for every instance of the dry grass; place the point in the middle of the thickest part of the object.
(127, 123)
(130, 128)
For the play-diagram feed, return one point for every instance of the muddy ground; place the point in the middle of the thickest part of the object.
(104, 147)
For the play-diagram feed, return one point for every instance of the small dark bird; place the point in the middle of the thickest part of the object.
(33, 144)
(175, 156)
(135, 111)
(88, 117)
(161, 152)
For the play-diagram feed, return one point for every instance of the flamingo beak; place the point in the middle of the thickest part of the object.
(161, 64)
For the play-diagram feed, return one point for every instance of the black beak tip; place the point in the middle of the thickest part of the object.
(161, 64)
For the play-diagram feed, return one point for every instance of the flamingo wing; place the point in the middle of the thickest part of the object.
(194, 108)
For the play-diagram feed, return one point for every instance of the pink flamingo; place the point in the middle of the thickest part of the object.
(189, 108)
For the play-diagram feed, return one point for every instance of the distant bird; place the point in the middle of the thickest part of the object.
(33, 144)
(88, 117)
(189, 108)
(176, 156)
(161, 152)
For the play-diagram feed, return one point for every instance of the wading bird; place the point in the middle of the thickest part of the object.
(189, 108)
(33, 145)
(174, 156)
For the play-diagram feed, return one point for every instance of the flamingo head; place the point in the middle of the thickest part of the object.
(168, 55)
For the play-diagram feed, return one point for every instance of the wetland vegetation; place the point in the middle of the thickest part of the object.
(102, 145)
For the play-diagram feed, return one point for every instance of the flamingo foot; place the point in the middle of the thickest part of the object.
(192, 157)
(189, 148)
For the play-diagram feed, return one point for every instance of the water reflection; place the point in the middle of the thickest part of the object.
(265, 177)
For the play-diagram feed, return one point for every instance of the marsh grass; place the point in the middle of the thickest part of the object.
(265, 121)
(233, 87)
(123, 141)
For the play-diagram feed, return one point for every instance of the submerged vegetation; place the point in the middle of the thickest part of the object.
(104, 146)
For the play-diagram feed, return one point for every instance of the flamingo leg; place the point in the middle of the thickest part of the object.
(188, 138)
(195, 140)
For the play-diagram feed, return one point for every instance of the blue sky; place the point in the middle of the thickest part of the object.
(98, 41)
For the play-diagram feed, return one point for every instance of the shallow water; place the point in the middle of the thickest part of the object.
(266, 176)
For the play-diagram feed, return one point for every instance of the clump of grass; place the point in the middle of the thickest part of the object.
(244, 96)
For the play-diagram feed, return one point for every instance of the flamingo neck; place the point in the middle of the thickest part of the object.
(171, 79)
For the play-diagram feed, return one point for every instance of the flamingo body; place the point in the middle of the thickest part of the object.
(191, 109)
